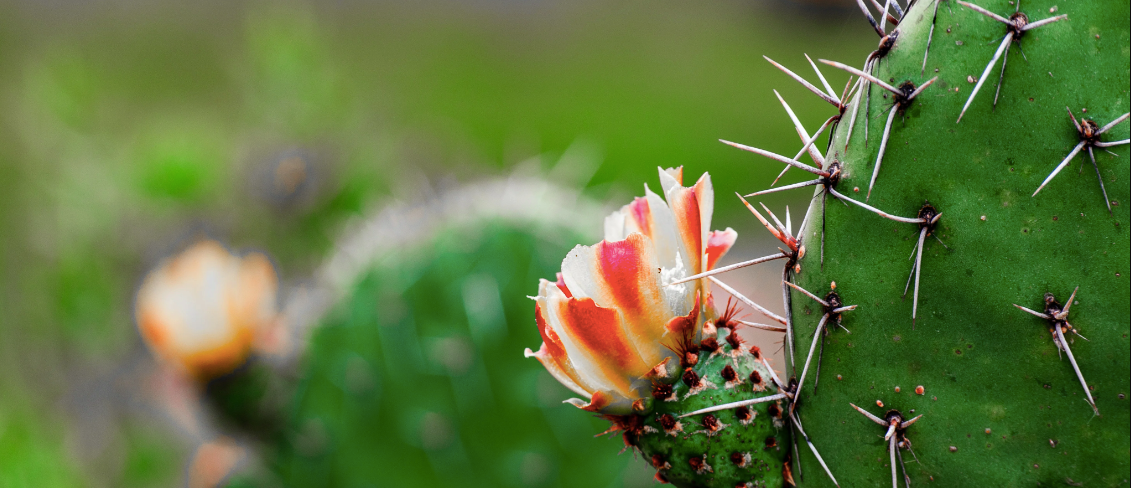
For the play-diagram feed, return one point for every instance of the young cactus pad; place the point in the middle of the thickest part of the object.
(744, 442)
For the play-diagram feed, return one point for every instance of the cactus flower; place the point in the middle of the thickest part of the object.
(612, 321)
(201, 310)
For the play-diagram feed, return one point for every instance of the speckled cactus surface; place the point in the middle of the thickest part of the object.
(745, 442)
(1001, 405)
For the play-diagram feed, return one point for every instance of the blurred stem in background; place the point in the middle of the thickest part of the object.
(129, 128)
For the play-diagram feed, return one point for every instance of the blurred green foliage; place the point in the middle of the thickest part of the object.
(29, 454)
(127, 129)
(417, 378)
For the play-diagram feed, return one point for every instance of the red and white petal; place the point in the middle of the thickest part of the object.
(562, 286)
(625, 276)
(648, 215)
(553, 354)
(705, 194)
(553, 365)
(670, 180)
(579, 273)
(596, 344)
(685, 206)
(718, 243)
(676, 175)
(567, 361)
(634, 217)
(665, 241)
(615, 225)
(601, 401)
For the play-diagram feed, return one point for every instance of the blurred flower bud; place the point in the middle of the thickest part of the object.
(200, 311)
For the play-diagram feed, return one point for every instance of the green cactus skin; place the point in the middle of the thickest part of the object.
(1000, 408)
(759, 445)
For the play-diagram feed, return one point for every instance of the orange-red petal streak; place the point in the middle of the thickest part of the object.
(598, 332)
(562, 286)
(642, 215)
(718, 243)
(631, 281)
(554, 352)
(689, 226)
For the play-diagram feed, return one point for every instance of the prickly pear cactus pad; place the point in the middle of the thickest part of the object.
(1002, 403)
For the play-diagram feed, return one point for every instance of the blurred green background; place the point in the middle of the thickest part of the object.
(128, 127)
